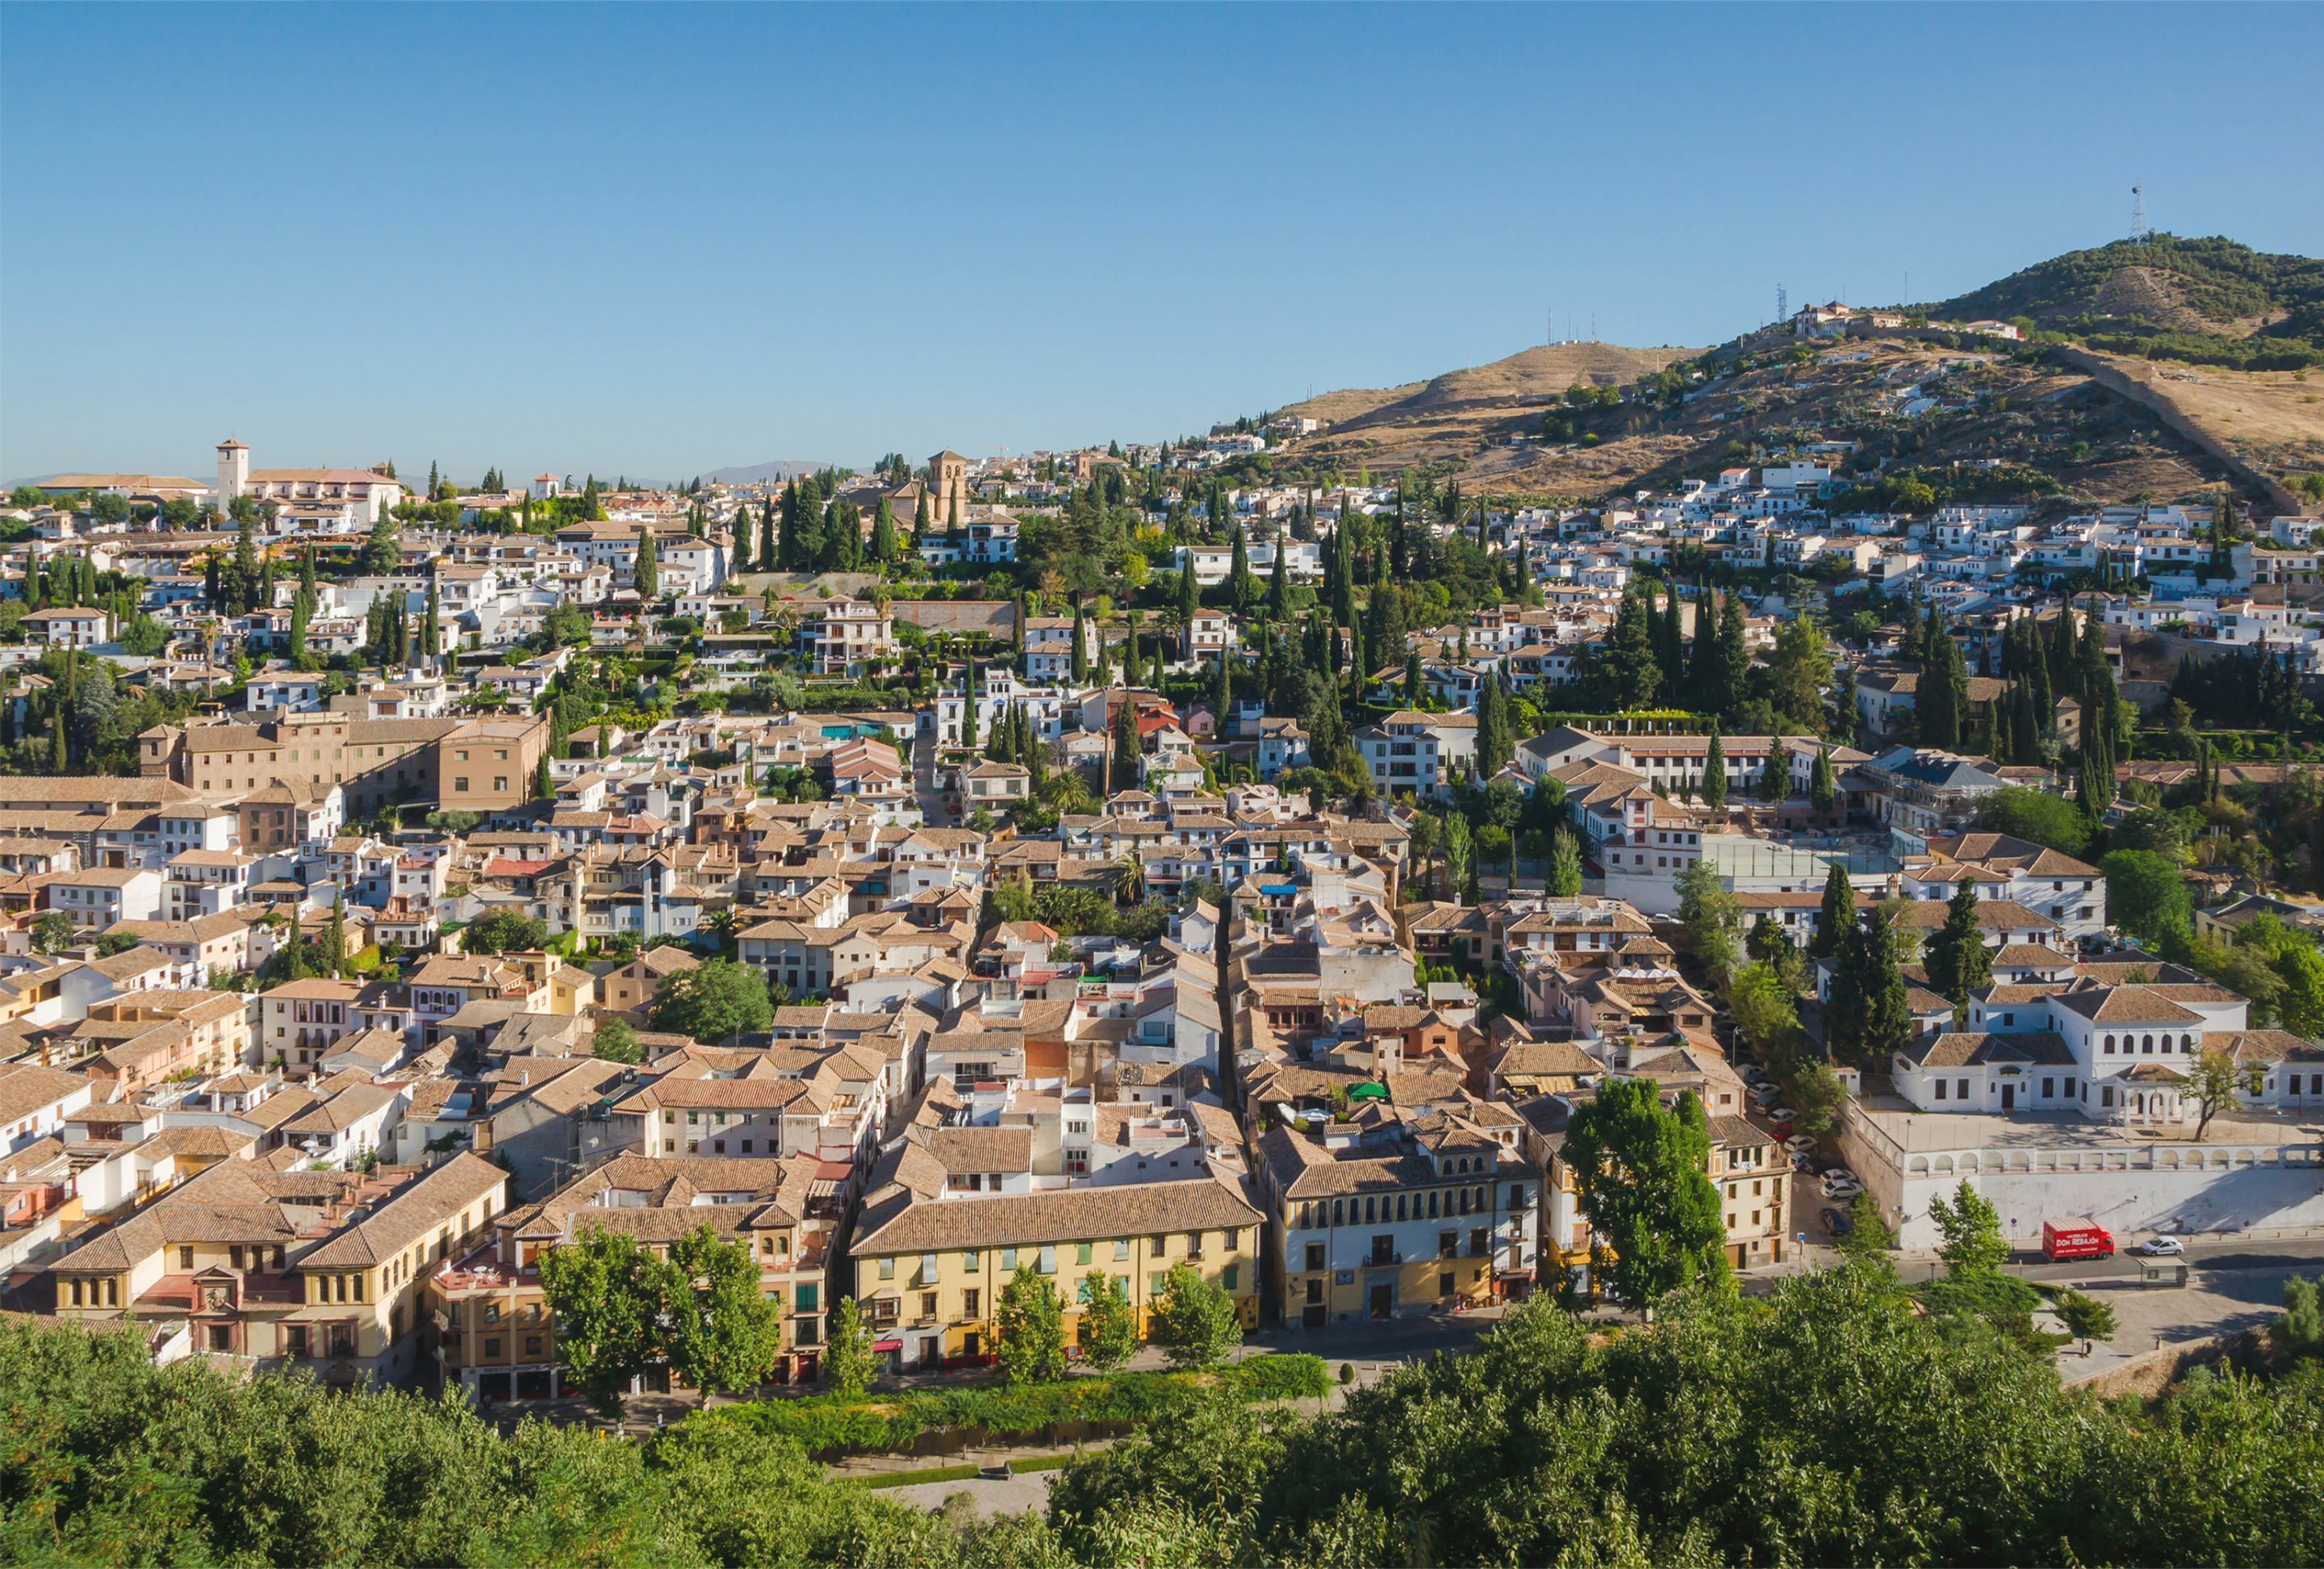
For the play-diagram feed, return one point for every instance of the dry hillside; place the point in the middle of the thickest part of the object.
(2098, 446)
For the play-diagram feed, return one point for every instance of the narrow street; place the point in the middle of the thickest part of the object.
(924, 779)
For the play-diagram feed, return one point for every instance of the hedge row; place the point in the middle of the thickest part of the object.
(868, 1424)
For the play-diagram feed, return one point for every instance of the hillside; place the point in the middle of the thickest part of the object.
(2208, 300)
(1534, 375)
(2178, 366)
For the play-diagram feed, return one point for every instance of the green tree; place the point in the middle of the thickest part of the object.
(1970, 1228)
(2086, 1318)
(1195, 1322)
(2037, 815)
(1714, 771)
(2145, 896)
(1126, 754)
(382, 551)
(1824, 791)
(1641, 1169)
(1957, 960)
(1108, 1324)
(1868, 1235)
(2301, 1331)
(1459, 853)
(1941, 694)
(609, 1297)
(1564, 866)
(724, 1333)
(505, 930)
(1712, 916)
(849, 1364)
(1868, 1014)
(615, 1041)
(2217, 1081)
(52, 931)
(718, 1000)
(647, 572)
(1493, 743)
(1032, 1329)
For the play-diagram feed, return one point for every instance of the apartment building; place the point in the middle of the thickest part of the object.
(931, 1258)
(498, 1340)
(1395, 1214)
(280, 1267)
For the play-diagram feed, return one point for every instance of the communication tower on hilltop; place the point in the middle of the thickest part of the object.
(2139, 233)
(1782, 305)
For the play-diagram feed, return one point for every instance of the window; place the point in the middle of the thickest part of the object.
(1080, 1252)
(972, 1260)
(1229, 1275)
(461, 783)
(887, 1268)
(803, 1296)
(970, 1301)
(1448, 1244)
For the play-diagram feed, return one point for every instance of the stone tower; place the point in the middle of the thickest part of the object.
(232, 472)
(947, 479)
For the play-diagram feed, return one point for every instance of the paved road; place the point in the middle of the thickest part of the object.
(924, 781)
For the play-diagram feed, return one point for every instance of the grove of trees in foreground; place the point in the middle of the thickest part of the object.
(1829, 1424)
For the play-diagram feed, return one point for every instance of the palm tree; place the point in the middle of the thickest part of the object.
(1129, 879)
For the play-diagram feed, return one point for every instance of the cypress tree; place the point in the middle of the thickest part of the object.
(431, 634)
(1221, 695)
(294, 957)
(1492, 728)
(1343, 586)
(334, 941)
(1714, 771)
(741, 528)
(1241, 583)
(1823, 790)
(1775, 774)
(1671, 651)
(1125, 743)
(1416, 686)
(770, 532)
(883, 533)
(59, 758)
(1704, 678)
(1957, 959)
(648, 577)
(968, 707)
(544, 786)
(1938, 699)
(1278, 583)
(1837, 917)
(1081, 639)
(1734, 657)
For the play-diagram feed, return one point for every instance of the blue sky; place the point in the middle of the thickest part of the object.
(661, 239)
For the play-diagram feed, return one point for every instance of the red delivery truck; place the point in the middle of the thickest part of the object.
(2079, 1237)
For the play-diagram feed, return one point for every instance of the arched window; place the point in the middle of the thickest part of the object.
(2147, 1046)
(2109, 1046)
(2186, 1043)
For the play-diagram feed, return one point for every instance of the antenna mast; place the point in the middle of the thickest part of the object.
(1782, 305)
(2139, 233)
